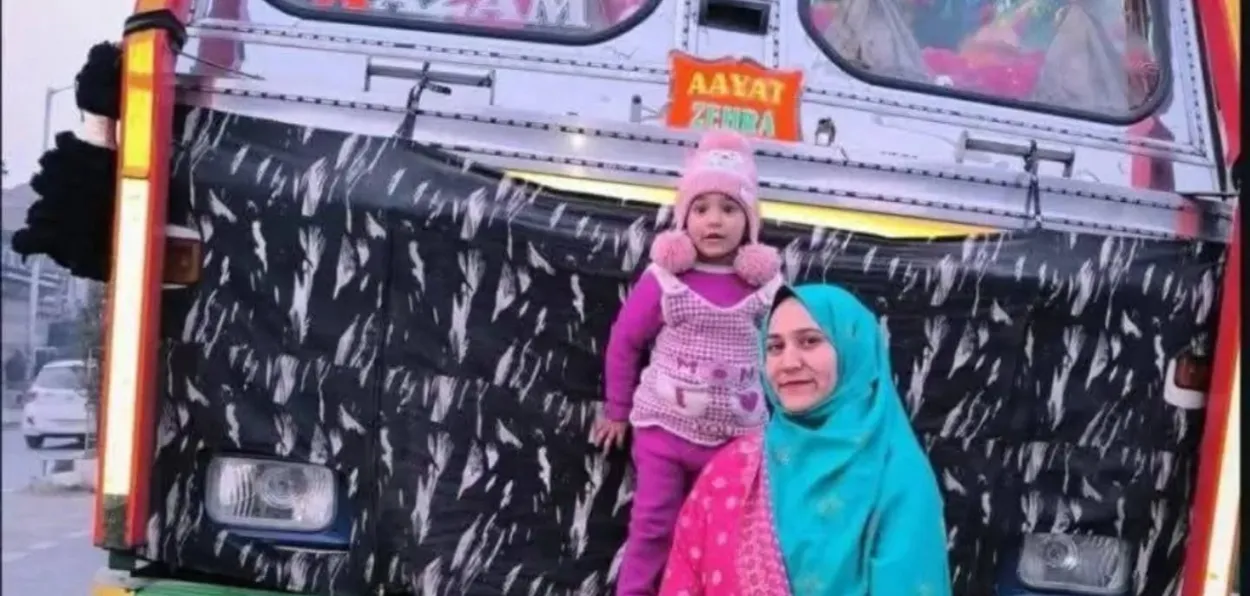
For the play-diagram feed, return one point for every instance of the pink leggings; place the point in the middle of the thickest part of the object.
(665, 466)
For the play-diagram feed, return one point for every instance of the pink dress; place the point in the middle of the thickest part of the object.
(703, 381)
(726, 544)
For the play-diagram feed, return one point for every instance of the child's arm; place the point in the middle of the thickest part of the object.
(637, 323)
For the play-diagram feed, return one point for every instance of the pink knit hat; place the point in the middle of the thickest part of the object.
(724, 163)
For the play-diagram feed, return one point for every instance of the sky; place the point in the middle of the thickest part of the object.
(44, 44)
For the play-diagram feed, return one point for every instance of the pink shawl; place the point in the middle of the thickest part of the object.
(725, 542)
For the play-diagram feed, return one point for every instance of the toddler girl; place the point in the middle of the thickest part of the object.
(698, 306)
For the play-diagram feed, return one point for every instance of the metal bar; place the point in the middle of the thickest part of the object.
(1021, 150)
(34, 296)
(416, 71)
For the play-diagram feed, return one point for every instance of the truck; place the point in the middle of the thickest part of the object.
(364, 254)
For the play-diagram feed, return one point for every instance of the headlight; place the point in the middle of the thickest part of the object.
(275, 495)
(1077, 564)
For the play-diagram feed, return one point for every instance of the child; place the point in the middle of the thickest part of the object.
(699, 305)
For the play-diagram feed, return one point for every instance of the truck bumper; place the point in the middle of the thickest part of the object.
(114, 583)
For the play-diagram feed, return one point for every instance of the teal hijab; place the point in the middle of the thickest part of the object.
(855, 500)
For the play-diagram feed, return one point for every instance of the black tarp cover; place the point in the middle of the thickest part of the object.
(433, 333)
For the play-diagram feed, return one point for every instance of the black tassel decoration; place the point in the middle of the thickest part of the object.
(99, 83)
(72, 221)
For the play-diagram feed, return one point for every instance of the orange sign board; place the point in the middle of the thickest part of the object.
(739, 94)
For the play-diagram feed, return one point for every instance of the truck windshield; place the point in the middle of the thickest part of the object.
(1101, 59)
(552, 21)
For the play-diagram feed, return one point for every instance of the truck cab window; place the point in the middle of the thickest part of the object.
(1097, 58)
(556, 21)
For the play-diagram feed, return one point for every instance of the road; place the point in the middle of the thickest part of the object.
(46, 546)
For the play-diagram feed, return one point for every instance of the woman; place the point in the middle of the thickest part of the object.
(835, 497)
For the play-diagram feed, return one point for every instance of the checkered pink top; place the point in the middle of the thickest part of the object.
(703, 381)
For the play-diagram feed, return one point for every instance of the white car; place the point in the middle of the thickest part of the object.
(56, 403)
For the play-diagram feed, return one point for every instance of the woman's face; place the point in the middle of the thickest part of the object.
(801, 364)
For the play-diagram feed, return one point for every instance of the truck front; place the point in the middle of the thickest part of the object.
(366, 255)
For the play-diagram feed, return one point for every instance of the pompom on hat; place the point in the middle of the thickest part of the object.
(725, 163)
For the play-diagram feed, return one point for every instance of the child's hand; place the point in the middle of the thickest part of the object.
(608, 433)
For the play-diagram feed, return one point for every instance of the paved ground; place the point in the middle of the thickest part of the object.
(46, 545)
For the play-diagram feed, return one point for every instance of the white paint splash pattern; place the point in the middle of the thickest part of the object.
(435, 338)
